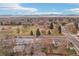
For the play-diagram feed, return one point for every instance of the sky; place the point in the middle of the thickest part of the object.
(39, 9)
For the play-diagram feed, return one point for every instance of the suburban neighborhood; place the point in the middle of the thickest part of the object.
(39, 35)
(39, 29)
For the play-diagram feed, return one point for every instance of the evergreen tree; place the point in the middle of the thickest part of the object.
(38, 32)
(1, 23)
(51, 26)
(19, 23)
(31, 33)
(76, 25)
(59, 28)
(49, 33)
(18, 30)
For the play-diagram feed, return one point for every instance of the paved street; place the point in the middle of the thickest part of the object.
(71, 38)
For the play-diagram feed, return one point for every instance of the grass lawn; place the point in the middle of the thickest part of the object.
(70, 51)
(25, 31)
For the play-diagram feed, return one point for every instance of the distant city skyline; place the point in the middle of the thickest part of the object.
(39, 9)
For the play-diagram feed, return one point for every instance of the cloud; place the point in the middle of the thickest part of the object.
(47, 13)
(17, 9)
(16, 6)
(74, 10)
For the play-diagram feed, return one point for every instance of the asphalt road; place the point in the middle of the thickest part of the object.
(70, 37)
